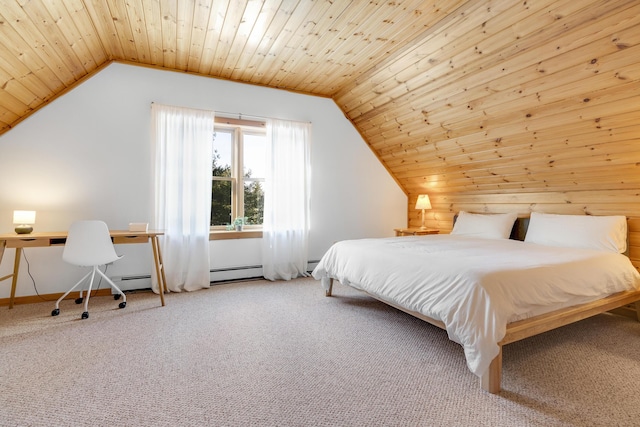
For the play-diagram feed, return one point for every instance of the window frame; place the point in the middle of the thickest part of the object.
(238, 127)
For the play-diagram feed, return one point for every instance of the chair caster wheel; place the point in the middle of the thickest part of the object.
(85, 315)
(55, 312)
(123, 304)
(117, 297)
(79, 300)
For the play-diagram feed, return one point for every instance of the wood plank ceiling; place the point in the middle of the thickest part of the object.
(505, 105)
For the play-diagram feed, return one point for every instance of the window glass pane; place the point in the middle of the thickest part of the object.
(254, 155)
(222, 152)
(254, 202)
(221, 202)
(247, 199)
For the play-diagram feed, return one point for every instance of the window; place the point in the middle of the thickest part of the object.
(238, 171)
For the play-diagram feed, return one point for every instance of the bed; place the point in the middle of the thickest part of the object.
(495, 279)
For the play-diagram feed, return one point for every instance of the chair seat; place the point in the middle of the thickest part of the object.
(104, 261)
(89, 245)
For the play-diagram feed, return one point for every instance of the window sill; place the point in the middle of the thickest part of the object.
(226, 235)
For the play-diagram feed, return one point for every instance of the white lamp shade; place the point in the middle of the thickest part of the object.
(24, 217)
(423, 202)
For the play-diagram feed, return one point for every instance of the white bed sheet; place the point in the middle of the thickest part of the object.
(476, 286)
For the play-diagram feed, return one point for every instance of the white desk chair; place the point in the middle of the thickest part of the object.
(89, 245)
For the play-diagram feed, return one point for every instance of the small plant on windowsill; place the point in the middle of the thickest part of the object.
(239, 223)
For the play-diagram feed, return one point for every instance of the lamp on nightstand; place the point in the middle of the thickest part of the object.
(423, 203)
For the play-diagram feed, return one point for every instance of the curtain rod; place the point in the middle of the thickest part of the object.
(241, 116)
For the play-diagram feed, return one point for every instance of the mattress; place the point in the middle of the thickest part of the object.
(476, 286)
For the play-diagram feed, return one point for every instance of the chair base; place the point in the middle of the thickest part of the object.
(80, 300)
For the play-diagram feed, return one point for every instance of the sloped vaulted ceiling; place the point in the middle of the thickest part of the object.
(486, 105)
(315, 47)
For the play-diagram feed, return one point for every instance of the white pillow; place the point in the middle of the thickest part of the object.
(486, 226)
(604, 233)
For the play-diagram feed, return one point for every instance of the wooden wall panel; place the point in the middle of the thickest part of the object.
(552, 127)
(588, 202)
(487, 106)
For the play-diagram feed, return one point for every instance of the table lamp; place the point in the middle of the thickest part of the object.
(24, 220)
(423, 203)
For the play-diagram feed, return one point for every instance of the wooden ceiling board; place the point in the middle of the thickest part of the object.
(526, 156)
(578, 107)
(325, 38)
(474, 72)
(139, 30)
(251, 18)
(16, 49)
(273, 18)
(492, 153)
(293, 52)
(37, 28)
(118, 10)
(346, 57)
(271, 50)
(168, 14)
(19, 72)
(586, 97)
(89, 55)
(456, 98)
(378, 86)
(103, 25)
(77, 14)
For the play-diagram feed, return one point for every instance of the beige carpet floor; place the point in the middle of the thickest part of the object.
(281, 354)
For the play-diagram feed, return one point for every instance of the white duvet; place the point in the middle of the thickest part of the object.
(476, 286)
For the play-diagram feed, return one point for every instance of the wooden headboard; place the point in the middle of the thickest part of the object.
(519, 229)
(633, 251)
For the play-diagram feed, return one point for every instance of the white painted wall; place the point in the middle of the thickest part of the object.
(88, 155)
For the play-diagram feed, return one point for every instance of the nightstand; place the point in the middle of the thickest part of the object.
(415, 231)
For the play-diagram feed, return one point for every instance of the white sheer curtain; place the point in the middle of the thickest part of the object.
(286, 200)
(182, 196)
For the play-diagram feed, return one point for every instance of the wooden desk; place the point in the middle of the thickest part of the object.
(46, 239)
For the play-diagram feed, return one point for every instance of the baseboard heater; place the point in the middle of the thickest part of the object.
(216, 275)
(250, 267)
(125, 278)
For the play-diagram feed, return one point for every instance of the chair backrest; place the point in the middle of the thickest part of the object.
(89, 243)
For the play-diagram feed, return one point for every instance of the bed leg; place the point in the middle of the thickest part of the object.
(327, 292)
(637, 303)
(491, 379)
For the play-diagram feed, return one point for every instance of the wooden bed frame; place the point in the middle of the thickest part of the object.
(526, 328)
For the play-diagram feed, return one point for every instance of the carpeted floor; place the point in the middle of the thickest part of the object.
(281, 354)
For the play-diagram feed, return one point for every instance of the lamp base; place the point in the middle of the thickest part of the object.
(24, 229)
(423, 227)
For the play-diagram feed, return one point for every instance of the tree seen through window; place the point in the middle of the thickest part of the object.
(246, 150)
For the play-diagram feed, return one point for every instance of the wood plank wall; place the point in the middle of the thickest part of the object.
(485, 105)
(512, 106)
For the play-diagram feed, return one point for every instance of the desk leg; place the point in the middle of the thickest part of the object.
(14, 280)
(164, 278)
(157, 259)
